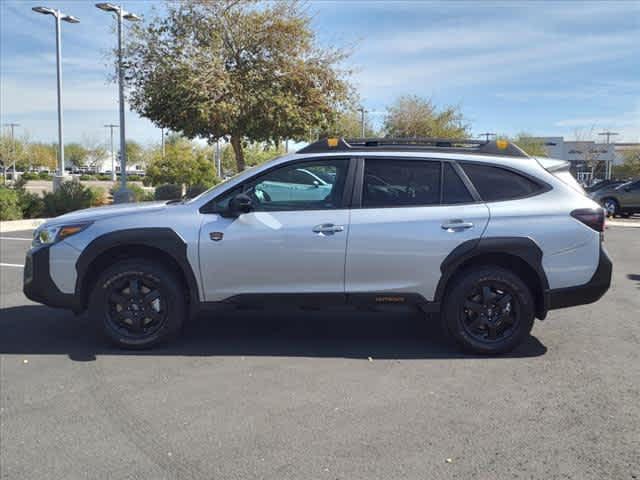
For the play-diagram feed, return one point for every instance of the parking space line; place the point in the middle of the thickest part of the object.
(11, 265)
(16, 238)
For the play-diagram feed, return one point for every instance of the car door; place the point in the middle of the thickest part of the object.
(291, 242)
(630, 195)
(413, 213)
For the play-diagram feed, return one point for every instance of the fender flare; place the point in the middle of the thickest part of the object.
(164, 239)
(523, 248)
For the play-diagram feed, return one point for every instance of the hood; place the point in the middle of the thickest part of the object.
(98, 213)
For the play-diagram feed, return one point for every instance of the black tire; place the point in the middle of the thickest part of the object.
(138, 304)
(611, 207)
(488, 310)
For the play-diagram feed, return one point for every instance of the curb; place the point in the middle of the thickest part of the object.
(18, 225)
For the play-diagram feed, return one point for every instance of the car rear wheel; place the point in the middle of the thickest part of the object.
(488, 310)
(138, 304)
(611, 206)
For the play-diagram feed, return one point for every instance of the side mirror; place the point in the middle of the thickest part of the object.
(240, 204)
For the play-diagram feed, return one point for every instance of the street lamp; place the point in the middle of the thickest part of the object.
(69, 19)
(123, 194)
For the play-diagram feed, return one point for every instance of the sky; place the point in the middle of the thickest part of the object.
(546, 68)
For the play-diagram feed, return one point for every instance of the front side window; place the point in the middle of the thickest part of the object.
(309, 185)
(396, 183)
(496, 184)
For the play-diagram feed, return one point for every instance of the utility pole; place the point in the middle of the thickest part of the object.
(487, 135)
(608, 164)
(111, 126)
(362, 113)
(218, 159)
(122, 195)
(162, 143)
(13, 152)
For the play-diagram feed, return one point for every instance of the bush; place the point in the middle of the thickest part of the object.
(85, 178)
(139, 193)
(134, 178)
(44, 176)
(26, 176)
(168, 191)
(195, 190)
(98, 196)
(69, 197)
(104, 177)
(9, 204)
(30, 204)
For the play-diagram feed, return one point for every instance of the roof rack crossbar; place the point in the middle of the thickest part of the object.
(467, 146)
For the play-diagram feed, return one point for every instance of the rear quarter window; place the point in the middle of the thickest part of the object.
(496, 183)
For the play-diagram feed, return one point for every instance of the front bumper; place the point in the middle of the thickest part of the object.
(38, 284)
(590, 292)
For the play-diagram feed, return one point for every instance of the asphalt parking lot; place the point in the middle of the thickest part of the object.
(323, 396)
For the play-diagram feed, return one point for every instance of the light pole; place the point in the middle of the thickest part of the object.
(122, 194)
(362, 113)
(58, 179)
(487, 135)
(608, 166)
(111, 126)
(13, 152)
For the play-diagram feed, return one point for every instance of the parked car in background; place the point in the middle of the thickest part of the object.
(604, 184)
(623, 199)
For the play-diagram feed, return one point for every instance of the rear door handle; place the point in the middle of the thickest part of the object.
(456, 225)
(328, 228)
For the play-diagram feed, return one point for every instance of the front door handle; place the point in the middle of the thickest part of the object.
(328, 228)
(456, 225)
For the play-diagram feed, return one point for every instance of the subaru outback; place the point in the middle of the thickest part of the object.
(478, 232)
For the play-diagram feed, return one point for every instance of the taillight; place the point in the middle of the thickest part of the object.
(591, 217)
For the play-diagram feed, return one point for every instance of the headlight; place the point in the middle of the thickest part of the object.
(45, 235)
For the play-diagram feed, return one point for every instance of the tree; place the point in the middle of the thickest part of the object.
(237, 68)
(348, 124)
(183, 163)
(631, 165)
(135, 153)
(76, 154)
(412, 116)
(255, 154)
(531, 145)
(96, 151)
(43, 155)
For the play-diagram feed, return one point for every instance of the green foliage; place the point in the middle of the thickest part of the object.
(9, 204)
(86, 177)
(134, 178)
(255, 154)
(104, 177)
(412, 116)
(195, 190)
(26, 176)
(168, 191)
(139, 193)
(183, 163)
(76, 154)
(631, 166)
(30, 204)
(531, 145)
(235, 68)
(69, 197)
(45, 176)
(348, 124)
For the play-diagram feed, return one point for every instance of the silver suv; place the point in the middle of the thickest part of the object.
(479, 232)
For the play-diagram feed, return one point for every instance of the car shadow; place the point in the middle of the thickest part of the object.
(634, 277)
(35, 329)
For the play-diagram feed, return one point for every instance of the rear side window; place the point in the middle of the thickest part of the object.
(495, 183)
(453, 189)
(396, 183)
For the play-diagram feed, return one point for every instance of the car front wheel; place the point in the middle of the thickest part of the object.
(610, 206)
(488, 310)
(138, 304)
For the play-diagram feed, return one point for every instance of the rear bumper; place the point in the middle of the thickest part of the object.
(590, 292)
(38, 284)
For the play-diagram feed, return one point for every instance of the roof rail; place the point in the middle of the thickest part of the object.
(467, 146)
